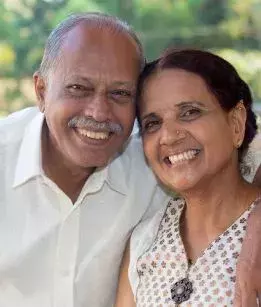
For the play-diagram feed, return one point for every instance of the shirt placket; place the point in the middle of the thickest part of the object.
(68, 243)
(66, 257)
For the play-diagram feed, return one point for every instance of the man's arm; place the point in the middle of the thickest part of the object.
(124, 293)
(257, 178)
(248, 280)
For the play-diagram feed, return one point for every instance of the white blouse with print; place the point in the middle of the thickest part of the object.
(160, 274)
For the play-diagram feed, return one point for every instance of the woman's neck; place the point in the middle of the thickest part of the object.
(212, 209)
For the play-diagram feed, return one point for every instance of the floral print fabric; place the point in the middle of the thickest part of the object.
(165, 263)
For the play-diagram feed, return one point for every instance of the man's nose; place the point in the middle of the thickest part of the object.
(171, 133)
(99, 108)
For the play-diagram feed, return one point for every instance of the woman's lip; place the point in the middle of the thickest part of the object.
(181, 157)
(178, 152)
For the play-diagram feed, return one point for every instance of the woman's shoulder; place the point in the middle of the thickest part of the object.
(147, 229)
(145, 234)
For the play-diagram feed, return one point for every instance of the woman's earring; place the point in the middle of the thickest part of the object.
(239, 143)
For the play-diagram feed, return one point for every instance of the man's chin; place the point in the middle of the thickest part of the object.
(94, 163)
(94, 157)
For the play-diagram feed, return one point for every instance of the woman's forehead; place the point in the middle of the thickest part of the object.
(175, 86)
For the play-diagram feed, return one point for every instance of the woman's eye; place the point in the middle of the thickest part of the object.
(150, 126)
(190, 114)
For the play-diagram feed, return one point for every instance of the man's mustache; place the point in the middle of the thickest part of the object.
(92, 124)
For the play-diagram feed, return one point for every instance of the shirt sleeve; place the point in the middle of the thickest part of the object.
(158, 201)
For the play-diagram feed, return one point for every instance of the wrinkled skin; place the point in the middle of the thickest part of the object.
(95, 78)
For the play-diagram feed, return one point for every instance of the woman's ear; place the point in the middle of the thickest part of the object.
(39, 87)
(237, 118)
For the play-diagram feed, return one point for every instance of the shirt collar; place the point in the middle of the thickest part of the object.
(29, 162)
(114, 174)
(117, 175)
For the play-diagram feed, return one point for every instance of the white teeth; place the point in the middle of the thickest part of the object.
(188, 155)
(93, 134)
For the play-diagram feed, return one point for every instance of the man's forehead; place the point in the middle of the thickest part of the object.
(91, 37)
(90, 53)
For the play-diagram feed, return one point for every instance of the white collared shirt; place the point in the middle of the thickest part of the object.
(54, 253)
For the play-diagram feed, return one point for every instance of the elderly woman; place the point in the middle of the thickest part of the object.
(196, 122)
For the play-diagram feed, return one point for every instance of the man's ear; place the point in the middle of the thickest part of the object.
(237, 117)
(39, 87)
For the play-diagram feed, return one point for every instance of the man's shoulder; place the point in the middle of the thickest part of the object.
(12, 127)
(18, 117)
(132, 157)
(133, 149)
(132, 166)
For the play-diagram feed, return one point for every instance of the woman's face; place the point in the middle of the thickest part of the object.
(187, 136)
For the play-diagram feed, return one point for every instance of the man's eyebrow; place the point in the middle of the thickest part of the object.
(130, 84)
(79, 79)
(84, 79)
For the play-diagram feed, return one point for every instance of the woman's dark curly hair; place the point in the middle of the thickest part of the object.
(220, 77)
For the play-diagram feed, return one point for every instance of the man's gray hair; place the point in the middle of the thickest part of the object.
(97, 20)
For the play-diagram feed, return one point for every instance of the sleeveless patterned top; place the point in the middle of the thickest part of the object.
(165, 277)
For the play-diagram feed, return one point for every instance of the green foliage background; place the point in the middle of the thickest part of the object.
(231, 28)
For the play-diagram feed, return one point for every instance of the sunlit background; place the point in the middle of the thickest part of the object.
(231, 28)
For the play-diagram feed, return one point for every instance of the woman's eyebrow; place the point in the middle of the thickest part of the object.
(178, 105)
(149, 115)
(189, 103)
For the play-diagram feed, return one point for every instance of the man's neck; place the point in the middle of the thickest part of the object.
(67, 177)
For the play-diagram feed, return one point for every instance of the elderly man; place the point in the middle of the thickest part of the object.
(68, 199)
(73, 185)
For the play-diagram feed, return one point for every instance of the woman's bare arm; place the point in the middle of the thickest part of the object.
(248, 283)
(125, 296)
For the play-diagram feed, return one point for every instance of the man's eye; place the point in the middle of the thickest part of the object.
(123, 93)
(78, 89)
(121, 96)
(190, 114)
(150, 126)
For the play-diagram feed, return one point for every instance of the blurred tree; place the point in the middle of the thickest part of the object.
(210, 12)
(29, 24)
(210, 24)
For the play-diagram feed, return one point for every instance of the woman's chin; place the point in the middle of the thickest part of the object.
(180, 185)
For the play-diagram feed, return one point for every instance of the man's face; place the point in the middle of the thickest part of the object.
(88, 100)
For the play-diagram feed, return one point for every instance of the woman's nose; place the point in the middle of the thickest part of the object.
(170, 133)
